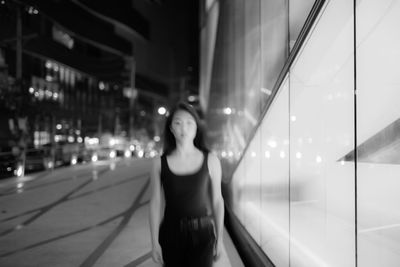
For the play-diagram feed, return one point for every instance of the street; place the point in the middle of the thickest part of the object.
(83, 215)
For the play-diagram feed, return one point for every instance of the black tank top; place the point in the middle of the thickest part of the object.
(186, 195)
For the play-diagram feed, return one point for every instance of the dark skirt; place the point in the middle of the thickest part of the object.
(188, 242)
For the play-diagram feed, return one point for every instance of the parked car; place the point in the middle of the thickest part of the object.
(87, 155)
(104, 153)
(38, 159)
(9, 165)
(64, 154)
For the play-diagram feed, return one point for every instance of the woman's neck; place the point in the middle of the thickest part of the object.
(184, 149)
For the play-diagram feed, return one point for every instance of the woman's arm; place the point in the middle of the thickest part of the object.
(217, 200)
(155, 209)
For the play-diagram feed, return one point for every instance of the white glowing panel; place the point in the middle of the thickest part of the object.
(322, 192)
(378, 83)
(251, 192)
(274, 182)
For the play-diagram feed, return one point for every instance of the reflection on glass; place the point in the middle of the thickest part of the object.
(322, 207)
(251, 190)
(298, 12)
(378, 123)
(275, 180)
(250, 51)
(295, 193)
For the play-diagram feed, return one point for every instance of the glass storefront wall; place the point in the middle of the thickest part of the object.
(274, 180)
(300, 189)
(378, 113)
(322, 218)
(251, 48)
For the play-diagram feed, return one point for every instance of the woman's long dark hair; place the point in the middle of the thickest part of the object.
(169, 138)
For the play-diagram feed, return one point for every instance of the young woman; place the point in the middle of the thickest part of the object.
(186, 206)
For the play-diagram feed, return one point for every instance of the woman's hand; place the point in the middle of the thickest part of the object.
(156, 254)
(218, 250)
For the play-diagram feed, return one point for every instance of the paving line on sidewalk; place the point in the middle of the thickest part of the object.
(15, 190)
(49, 207)
(139, 260)
(44, 210)
(126, 180)
(77, 196)
(99, 251)
(27, 179)
(54, 239)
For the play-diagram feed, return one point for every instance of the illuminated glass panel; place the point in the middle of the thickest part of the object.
(322, 208)
(274, 184)
(378, 127)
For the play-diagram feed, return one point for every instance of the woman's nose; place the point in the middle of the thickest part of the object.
(184, 127)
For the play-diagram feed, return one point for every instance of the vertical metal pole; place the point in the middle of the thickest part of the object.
(132, 97)
(355, 132)
(52, 140)
(18, 76)
(100, 126)
(19, 48)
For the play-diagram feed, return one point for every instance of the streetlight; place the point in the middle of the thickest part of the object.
(228, 111)
(162, 110)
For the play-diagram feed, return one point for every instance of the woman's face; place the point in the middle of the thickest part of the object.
(183, 126)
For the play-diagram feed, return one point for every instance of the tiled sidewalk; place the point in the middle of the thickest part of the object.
(92, 215)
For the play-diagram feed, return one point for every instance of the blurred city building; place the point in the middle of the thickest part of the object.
(75, 70)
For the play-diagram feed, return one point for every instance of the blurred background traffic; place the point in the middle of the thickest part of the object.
(18, 161)
(82, 81)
